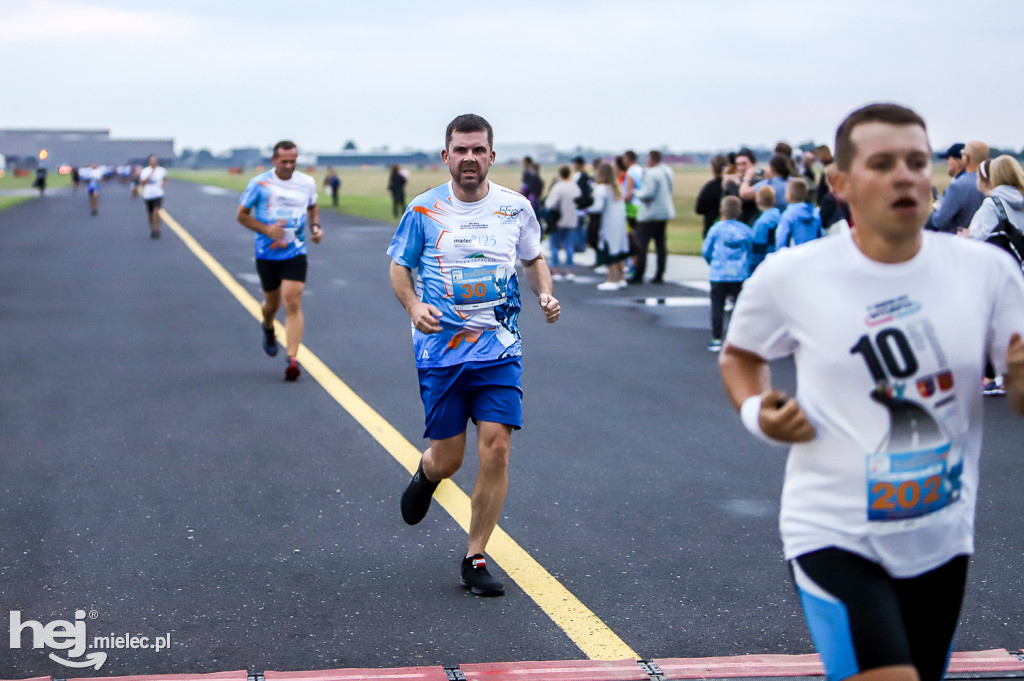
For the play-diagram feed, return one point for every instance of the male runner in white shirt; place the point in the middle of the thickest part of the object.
(463, 239)
(278, 205)
(152, 181)
(889, 328)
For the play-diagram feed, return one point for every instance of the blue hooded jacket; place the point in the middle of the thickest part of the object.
(799, 224)
(764, 235)
(727, 249)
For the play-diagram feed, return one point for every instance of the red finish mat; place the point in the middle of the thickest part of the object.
(572, 670)
(810, 665)
(242, 675)
(997, 660)
(403, 674)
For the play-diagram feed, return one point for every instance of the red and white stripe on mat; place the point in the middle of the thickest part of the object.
(743, 666)
(998, 660)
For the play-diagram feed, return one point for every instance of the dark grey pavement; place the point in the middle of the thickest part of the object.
(158, 473)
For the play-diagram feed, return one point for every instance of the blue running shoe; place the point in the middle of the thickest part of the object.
(269, 341)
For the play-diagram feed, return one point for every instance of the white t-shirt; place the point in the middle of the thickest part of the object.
(896, 484)
(152, 182)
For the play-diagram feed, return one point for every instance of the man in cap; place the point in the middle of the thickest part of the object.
(962, 198)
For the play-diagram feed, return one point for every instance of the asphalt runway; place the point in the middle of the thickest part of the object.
(159, 475)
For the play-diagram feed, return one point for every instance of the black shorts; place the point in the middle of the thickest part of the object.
(862, 618)
(272, 272)
(154, 204)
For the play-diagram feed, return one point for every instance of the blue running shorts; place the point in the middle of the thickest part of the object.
(483, 391)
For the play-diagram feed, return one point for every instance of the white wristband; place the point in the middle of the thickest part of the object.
(750, 414)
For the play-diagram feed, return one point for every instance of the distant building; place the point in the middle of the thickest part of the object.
(22, 148)
(544, 154)
(412, 158)
(249, 156)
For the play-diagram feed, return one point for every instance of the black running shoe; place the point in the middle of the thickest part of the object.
(269, 341)
(477, 579)
(416, 497)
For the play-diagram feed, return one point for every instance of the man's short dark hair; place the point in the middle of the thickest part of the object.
(579, 161)
(748, 153)
(283, 145)
(630, 156)
(654, 155)
(893, 114)
(469, 123)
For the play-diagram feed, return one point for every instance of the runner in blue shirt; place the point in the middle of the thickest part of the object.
(463, 239)
(278, 205)
(93, 175)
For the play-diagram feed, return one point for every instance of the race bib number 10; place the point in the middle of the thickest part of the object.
(479, 287)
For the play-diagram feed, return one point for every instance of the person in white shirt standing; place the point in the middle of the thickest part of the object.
(153, 181)
(889, 327)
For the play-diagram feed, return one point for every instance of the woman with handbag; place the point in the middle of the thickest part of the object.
(1000, 220)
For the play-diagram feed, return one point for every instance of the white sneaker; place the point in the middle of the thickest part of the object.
(601, 269)
(608, 286)
(621, 283)
(570, 276)
(556, 277)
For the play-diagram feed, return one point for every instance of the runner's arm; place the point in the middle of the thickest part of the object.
(425, 317)
(1013, 380)
(316, 232)
(275, 231)
(538, 276)
(746, 375)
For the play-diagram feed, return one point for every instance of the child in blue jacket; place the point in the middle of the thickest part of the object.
(765, 226)
(727, 248)
(799, 223)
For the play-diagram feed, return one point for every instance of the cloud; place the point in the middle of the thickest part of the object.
(45, 21)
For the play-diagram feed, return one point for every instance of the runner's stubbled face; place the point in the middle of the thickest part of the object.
(468, 158)
(888, 185)
(284, 163)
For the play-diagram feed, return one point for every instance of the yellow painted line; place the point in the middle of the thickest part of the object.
(587, 630)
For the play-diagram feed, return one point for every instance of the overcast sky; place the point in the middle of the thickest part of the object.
(686, 74)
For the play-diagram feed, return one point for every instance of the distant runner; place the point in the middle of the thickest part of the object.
(152, 181)
(278, 205)
(463, 239)
(93, 175)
